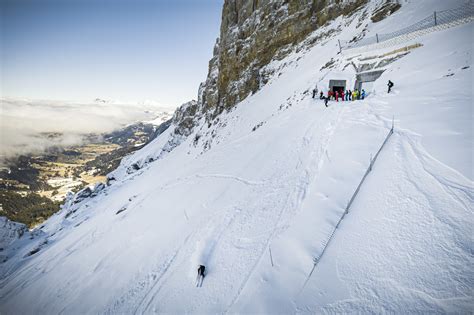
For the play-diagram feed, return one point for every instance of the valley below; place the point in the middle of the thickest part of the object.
(33, 186)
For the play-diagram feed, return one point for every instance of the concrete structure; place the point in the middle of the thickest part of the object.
(367, 76)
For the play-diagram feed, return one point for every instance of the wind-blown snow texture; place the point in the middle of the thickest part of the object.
(277, 177)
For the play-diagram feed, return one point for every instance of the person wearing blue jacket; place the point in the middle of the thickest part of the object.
(362, 95)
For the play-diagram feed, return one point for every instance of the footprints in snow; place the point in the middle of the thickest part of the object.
(258, 125)
(452, 73)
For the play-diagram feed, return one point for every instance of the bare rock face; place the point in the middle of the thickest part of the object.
(252, 34)
(208, 91)
(385, 10)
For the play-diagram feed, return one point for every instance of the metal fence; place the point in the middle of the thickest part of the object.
(325, 243)
(437, 20)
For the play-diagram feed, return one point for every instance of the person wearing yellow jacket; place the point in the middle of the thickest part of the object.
(354, 95)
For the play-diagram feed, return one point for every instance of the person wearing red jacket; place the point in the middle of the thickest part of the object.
(337, 96)
(342, 95)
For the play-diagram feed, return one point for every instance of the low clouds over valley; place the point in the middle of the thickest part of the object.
(34, 126)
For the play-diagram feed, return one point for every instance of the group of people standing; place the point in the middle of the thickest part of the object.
(346, 95)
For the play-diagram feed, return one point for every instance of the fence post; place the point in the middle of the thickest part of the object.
(435, 21)
(339, 42)
(377, 36)
(271, 257)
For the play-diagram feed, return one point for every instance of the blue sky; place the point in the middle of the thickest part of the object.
(113, 49)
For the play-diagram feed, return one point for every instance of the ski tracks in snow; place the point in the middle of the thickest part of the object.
(325, 125)
(281, 197)
(146, 291)
(236, 178)
(150, 284)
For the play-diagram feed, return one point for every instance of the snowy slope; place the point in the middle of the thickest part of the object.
(260, 203)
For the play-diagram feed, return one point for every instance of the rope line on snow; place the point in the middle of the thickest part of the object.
(346, 211)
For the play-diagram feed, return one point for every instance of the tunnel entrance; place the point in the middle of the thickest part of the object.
(337, 85)
(338, 89)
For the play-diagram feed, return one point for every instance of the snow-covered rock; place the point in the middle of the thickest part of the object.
(10, 231)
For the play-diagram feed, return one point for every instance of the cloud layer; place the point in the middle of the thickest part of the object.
(25, 124)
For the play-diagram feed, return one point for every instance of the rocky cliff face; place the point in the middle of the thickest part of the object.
(252, 34)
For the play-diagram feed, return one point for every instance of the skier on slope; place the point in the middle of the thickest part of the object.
(201, 275)
(315, 91)
(326, 100)
(337, 96)
(390, 85)
(321, 95)
(342, 95)
(362, 96)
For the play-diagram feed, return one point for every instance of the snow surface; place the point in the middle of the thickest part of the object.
(259, 204)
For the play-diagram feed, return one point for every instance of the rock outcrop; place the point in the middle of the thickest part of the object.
(385, 10)
(186, 116)
(253, 33)
(9, 232)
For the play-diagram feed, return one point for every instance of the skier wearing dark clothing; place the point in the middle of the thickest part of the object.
(326, 100)
(200, 276)
(321, 96)
(362, 96)
(390, 85)
(350, 95)
(315, 91)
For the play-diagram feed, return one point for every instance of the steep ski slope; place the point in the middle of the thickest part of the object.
(277, 177)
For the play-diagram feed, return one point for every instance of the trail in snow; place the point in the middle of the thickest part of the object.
(317, 157)
(236, 178)
(326, 242)
(289, 204)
